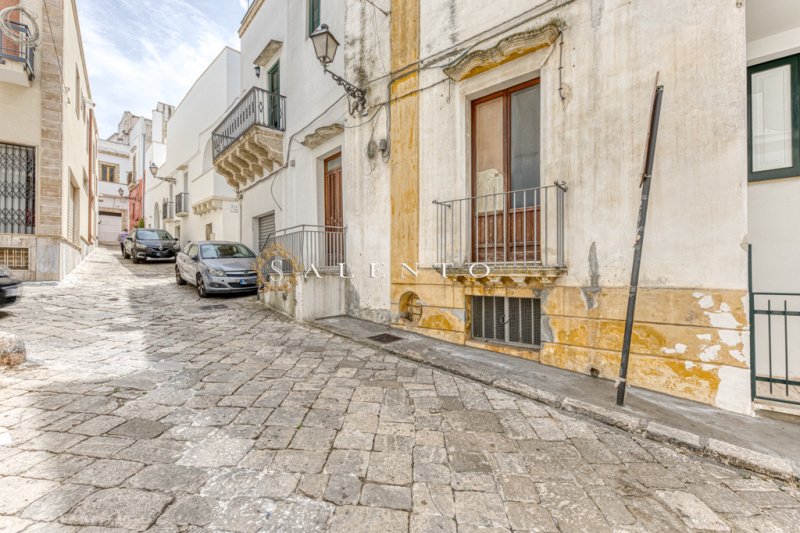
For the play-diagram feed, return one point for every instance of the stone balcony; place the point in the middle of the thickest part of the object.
(248, 143)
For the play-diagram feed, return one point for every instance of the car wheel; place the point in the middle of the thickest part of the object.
(201, 287)
(178, 278)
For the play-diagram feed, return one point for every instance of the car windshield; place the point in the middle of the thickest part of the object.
(153, 235)
(222, 251)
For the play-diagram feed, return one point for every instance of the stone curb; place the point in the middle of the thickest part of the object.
(725, 452)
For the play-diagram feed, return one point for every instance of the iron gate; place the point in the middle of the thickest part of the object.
(774, 343)
(17, 188)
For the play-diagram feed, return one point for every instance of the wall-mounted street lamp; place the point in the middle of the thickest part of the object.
(325, 45)
(258, 71)
(154, 172)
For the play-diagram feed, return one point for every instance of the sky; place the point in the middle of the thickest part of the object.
(141, 52)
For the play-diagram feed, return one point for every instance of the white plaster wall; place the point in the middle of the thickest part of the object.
(203, 105)
(366, 185)
(75, 128)
(188, 148)
(20, 106)
(595, 139)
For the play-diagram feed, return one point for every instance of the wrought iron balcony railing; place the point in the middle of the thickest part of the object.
(521, 229)
(306, 245)
(256, 108)
(21, 52)
(181, 204)
(165, 205)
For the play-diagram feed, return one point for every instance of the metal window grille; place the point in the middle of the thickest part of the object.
(17, 188)
(507, 320)
(14, 258)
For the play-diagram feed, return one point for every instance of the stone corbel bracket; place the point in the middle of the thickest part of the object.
(322, 134)
(507, 49)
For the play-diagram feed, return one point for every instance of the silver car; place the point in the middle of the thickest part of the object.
(216, 267)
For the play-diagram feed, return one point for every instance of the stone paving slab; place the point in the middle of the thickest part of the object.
(764, 445)
(137, 412)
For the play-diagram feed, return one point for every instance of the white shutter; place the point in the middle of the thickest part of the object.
(71, 214)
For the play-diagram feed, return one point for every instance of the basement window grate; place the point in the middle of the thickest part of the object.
(516, 321)
(385, 338)
(14, 258)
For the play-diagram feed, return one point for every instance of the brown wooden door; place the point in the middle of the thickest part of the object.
(334, 215)
(505, 176)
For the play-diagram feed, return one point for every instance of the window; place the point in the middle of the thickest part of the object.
(153, 235)
(109, 173)
(313, 15)
(73, 214)
(14, 258)
(17, 188)
(225, 251)
(774, 121)
(507, 320)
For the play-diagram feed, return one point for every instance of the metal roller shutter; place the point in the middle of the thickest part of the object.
(266, 227)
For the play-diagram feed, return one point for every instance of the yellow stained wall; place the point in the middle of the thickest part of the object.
(404, 189)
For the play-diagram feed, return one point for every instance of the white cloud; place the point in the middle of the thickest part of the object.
(140, 52)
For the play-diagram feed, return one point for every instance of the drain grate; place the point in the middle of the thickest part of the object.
(148, 275)
(213, 307)
(385, 338)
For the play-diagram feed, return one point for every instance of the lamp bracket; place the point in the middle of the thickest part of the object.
(352, 91)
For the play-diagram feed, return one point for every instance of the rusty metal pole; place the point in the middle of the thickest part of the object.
(637, 249)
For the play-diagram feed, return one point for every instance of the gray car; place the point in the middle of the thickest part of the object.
(216, 267)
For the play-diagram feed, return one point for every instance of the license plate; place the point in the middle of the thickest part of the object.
(11, 291)
(242, 282)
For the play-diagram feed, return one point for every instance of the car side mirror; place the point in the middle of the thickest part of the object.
(194, 258)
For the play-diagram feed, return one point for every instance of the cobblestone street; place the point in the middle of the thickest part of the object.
(143, 407)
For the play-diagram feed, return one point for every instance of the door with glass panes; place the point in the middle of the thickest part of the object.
(506, 220)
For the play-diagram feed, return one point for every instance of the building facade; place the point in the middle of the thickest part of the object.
(47, 143)
(114, 166)
(279, 148)
(486, 189)
(196, 201)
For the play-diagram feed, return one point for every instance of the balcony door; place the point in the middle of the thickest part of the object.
(334, 214)
(274, 88)
(506, 220)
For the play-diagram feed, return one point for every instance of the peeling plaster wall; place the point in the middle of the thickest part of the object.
(366, 182)
(691, 338)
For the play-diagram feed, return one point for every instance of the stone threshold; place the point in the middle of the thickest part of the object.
(759, 444)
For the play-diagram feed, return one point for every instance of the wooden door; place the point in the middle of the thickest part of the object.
(334, 214)
(506, 217)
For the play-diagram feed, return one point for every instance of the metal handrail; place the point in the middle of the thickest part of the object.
(320, 246)
(21, 51)
(513, 229)
(256, 108)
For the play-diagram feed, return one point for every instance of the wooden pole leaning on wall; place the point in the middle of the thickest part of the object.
(647, 176)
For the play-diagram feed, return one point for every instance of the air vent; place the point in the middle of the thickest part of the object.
(507, 320)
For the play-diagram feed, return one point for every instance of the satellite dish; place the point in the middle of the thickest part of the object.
(19, 25)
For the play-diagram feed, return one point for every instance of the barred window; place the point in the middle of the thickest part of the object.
(14, 258)
(17, 188)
